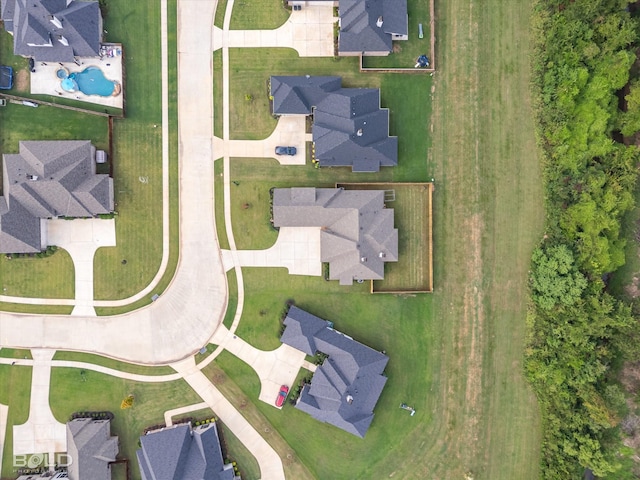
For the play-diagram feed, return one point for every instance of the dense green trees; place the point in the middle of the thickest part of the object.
(584, 54)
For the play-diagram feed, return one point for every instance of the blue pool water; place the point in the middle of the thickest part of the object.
(90, 81)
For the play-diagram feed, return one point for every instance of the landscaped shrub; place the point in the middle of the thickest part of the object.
(127, 402)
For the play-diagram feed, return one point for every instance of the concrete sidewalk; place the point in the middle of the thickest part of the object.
(42, 433)
(267, 458)
(169, 414)
(4, 413)
(297, 249)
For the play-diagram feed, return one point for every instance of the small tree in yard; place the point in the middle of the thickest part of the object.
(127, 402)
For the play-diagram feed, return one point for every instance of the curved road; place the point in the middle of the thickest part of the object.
(183, 319)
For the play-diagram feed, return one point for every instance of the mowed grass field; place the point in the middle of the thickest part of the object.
(488, 217)
(456, 355)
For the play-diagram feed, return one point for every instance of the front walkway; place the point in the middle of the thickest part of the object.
(296, 249)
(42, 433)
(309, 31)
(81, 238)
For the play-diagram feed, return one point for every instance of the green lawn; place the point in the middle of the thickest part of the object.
(232, 302)
(15, 392)
(114, 364)
(138, 158)
(103, 392)
(32, 277)
(256, 14)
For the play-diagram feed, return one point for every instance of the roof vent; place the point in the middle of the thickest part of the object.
(363, 259)
(349, 399)
(32, 177)
(382, 255)
(379, 22)
(359, 132)
(55, 20)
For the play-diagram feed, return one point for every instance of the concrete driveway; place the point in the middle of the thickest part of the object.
(289, 132)
(42, 433)
(81, 238)
(308, 31)
(296, 249)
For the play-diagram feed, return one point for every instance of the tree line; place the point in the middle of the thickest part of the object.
(584, 56)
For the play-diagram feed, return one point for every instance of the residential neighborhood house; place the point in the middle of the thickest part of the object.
(367, 27)
(53, 30)
(49, 179)
(357, 236)
(345, 388)
(91, 449)
(349, 127)
(181, 452)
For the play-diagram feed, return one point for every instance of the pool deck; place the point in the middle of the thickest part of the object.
(45, 81)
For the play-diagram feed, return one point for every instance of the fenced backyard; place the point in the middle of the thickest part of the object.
(412, 205)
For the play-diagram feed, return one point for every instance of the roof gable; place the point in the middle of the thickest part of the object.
(181, 452)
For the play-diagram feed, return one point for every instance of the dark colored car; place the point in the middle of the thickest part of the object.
(286, 150)
(282, 395)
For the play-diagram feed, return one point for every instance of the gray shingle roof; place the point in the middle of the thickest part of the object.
(182, 453)
(349, 127)
(297, 94)
(92, 448)
(346, 387)
(49, 179)
(51, 30)
(359, 30)
(357, 235)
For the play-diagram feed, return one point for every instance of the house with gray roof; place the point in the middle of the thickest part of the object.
(53, 30)
(181, 452)
(367, 27)
(349, 126)
(49, 179)
(344, 390)
(357, 236)
(91, 448)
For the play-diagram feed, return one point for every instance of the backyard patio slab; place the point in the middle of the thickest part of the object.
(45, 80)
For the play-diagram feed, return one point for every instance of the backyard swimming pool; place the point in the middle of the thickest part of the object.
(90, 81)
